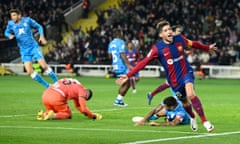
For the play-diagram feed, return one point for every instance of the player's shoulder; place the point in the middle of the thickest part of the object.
(26, 18)
(160, 44)
(178, 37)
(118, 40)
(11, 22)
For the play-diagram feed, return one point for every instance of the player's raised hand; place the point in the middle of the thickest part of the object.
(42, 40)
(123, 79)
(212, 48)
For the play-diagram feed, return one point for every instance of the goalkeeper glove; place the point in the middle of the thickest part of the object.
(97, 116)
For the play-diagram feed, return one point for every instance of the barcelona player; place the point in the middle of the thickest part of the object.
(133, 57)
(56, 96)
(177, 30)
(179, 73)
(21, 28)
(120, 65)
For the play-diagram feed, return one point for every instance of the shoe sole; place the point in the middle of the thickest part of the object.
(193, 129)
(40, 115)
(50, 113)
(120, 105)
(211, 130)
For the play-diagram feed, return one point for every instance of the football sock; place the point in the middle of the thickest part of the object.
(188, 109)
(196, 103)
(132, 82)
(119, 97)
(159, 89)
(39, 79)
(50, 73)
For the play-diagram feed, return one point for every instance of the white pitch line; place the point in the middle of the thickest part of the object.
(94, 129)
(184, 137)
(99, 110)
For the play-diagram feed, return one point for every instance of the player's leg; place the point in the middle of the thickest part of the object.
(159, 89)
(182, 96)
(135, 79)
(47, 69)
(34, 75)
(197, 105)
(62, 111)
(132, 83)
(56, 105)
(121, 93)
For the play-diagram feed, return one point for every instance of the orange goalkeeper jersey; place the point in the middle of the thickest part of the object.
(72, 89)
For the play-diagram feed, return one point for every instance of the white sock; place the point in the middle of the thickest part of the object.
(33, 75)
(119, 97)
(49, 70)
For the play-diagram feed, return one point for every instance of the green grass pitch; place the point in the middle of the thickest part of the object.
(20, 100)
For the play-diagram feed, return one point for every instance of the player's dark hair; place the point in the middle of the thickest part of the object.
(161, 24)
(17, 11)
(177, 26)
(90, 93)
(118, 34)
(170, 101)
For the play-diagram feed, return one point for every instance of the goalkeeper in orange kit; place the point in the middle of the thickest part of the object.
(56, 96)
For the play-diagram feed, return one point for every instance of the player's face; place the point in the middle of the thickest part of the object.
(130, 46)
(177, 31)
(15, 17)
(166, 34)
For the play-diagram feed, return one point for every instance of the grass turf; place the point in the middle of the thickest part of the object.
(20, 100)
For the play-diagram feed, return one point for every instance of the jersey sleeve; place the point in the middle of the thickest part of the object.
(195, 44)
(122, 48)
(153, 53)
(36, 25)
(8, 30)
(80, 103)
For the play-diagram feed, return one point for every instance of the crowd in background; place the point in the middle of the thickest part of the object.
(207, 21)
(45, 12)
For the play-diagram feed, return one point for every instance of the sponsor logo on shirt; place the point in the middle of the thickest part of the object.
(171, 61)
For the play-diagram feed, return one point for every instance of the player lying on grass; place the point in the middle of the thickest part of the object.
(172, 109)
(56, 96)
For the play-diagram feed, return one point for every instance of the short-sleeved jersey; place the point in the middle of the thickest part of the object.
(115, 47)
(133, 56)
(69, 88)
(178, 111)
(171, 56)
(23, 32)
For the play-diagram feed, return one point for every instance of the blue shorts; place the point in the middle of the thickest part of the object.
(31, 54)
(136, 75)
(189, 77)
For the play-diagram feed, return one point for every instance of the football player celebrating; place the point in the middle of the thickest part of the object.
(179, 73)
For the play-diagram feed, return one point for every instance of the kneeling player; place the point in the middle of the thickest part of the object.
(56, 96)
